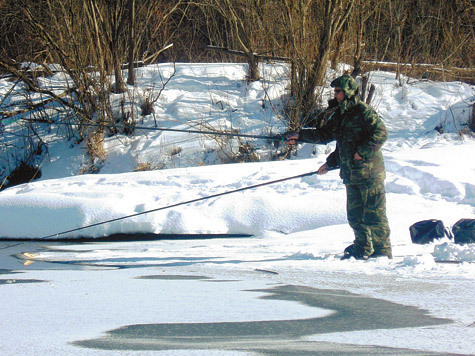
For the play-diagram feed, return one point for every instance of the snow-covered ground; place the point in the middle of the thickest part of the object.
(297, 226)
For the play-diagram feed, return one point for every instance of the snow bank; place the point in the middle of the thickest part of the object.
(429, 175)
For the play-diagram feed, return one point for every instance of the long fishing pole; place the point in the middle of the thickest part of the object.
(191, 131)
(178, 204)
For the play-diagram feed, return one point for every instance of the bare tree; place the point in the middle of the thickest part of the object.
(244, 22)
(335, 16)
(411, 32)
(152, 28)
(311, 29)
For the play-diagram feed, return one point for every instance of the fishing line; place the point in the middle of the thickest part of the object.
(17, 244)
(272, 138)
(191, 131)
(178, 204)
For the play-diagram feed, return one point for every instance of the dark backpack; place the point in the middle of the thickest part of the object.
(464, 231)
(426, 231)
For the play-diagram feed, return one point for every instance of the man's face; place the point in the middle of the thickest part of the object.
(339, 95)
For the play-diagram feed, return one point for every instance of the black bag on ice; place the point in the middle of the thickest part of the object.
(426, 231)
(464, 231)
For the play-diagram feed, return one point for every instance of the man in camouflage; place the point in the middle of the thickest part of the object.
(359, 133)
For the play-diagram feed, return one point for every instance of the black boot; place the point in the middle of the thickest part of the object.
(356, 252)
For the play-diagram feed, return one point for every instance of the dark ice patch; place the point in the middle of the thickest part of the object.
(7, 271)
(174, 277)
(351, 312)
(20, 281)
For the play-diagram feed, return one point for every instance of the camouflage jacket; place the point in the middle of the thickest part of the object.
(357, 128)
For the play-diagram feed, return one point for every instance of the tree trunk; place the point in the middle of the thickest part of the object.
(119, 80)
(131, 73)
(317, 73)
(253, 73)
(335, 19)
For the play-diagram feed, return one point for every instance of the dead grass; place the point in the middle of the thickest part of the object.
(143, 167)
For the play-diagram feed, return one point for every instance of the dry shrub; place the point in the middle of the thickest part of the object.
(95, 146)
(146, 106)
(175, 150)
(245, 153)
(95, 152)
(143, 166)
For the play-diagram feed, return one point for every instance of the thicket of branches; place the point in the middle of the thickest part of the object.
(95, 40)
(411, 31)
(104, 35)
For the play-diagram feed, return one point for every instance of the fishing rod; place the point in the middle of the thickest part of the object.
(279, 137)
(56, 235)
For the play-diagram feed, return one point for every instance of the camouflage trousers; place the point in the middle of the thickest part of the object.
(366, 211)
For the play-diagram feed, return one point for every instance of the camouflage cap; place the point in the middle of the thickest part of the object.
(347, 84)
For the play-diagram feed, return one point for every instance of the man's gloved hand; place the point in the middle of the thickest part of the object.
(291, 137)
(323, 169)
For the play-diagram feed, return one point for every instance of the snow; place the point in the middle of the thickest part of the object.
(297, 227)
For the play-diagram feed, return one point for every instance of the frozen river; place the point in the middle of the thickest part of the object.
(99, 298)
